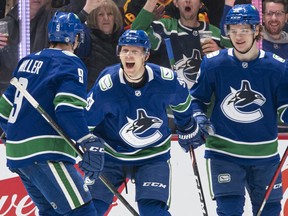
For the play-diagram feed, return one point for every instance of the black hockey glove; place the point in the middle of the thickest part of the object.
(93, 158)
(190, 135)
(204, 123)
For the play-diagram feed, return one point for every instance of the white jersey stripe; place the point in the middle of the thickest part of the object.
(63, 187)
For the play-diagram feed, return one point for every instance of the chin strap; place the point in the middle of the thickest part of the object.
(244, 52)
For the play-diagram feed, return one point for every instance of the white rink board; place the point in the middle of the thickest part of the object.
(185, 199)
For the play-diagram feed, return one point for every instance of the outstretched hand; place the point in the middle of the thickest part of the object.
(159, 12)
(91, 5)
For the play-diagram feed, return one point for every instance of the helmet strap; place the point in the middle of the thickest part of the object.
(244, 52)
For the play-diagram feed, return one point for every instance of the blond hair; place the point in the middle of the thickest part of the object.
(108, 6)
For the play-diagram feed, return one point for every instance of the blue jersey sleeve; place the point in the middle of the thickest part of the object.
(201, 91)
(70, 99)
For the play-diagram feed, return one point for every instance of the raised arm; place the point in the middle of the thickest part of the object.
(144, 20)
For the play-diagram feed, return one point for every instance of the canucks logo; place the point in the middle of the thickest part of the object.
(141, 131)
(188, 67)
(243, 105)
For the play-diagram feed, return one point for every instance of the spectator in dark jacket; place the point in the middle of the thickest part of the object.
(105, 26)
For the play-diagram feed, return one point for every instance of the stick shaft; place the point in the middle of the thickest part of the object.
(57, 128)
(192, 154)
(170, 53)
(271, 185)
(198, 181)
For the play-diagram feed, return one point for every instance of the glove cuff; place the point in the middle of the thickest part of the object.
(198, 114)
(86, 137)
(189, 135)
(188, 127)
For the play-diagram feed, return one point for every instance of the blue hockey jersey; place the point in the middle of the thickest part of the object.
(248, 96)
(134, 122)
(57, 80)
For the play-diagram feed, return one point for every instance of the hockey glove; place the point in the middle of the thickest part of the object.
(93, 158)
(190, 135)
(204, 123)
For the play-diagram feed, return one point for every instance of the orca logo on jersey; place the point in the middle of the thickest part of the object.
(142, 131)
(187, 68)
(239, 106)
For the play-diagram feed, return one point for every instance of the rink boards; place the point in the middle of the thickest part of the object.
(185, 199)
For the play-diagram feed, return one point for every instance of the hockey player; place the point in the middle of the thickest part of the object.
(250, 87)
(127, 108)
(57, 79)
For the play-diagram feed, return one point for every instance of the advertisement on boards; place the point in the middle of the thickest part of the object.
(185, 200)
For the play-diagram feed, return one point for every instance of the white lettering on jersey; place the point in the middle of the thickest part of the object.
(80, 74)
(90, 101)
(30, 66)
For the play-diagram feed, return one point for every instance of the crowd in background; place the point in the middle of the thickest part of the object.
(106, 20)
(125, 53)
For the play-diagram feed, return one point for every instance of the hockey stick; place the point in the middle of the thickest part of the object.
(57, 128)
(198, 181)
(271, 185)
(192, 153)
(170, 53)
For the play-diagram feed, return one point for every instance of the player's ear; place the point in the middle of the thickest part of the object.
(147, 56)
(76, 42)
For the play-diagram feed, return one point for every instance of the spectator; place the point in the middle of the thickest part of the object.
(250, 88)
(40, 15)
(133, 7)
(137, 135)
(59, 3)
(44, 161)
(119, 3)
(214, 11)
(275, 38)
(105, 27)
(2, 8)
(183, 32)
(275, 16)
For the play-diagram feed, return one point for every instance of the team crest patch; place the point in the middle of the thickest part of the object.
(167, 74)
(224, 178)
(278, 58)
(105, 82)
(141, 131)
(236, 104)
